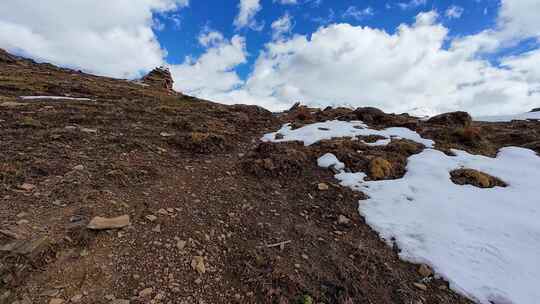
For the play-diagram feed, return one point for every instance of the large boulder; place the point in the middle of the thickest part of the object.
(160, 78)
(370, 115)
(459, 118)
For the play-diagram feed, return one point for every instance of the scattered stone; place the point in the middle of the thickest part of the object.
(101, 223)
(151, 217)
(166, 134)
(56, 301)
(22, 214)
(76, 298)
(110, 297)
(27, 187)
(343, 220)
(22, 222)
(146, 292)
(180, 244)
(305, 256)
(78, 168)
(163, 212)
(87, 130)
(420, 286)
(198, 264)
(157, 228)
(322, 187)
(120, 301)
(425, 271)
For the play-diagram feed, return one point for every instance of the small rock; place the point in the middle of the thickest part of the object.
(22, 222)
(322, 187)
(198, 264)
(110, 297)
(76, 298)
(181, 244)
(305, 256)
(151, 217)
(163, 212)
(22, 214)
(88, 130)
(157, 228)
(56, 301)
(146, 292)
(101, 223)
(425, 271)
(420, 286)
(27, 187)
(78, 168)
(343, 220)
(120, 301)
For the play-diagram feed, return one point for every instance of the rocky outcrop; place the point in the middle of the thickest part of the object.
(535, 110)
(5, 57)
(160, 78)
(460, 118)
(475, 178)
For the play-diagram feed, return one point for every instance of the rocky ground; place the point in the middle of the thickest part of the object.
(144, 195)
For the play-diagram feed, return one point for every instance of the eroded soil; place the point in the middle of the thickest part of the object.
(197, 182)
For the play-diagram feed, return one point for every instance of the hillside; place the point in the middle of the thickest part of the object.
(210, 203)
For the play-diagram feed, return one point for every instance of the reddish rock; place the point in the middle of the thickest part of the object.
(159, 77)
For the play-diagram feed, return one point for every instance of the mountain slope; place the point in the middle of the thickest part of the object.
(215, 215)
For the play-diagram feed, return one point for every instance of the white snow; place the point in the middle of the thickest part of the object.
(53, 97)
(506, 118)
(485, 242)
(330, 160)
(313, 133)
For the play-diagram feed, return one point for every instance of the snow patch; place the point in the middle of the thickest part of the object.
(316, 132)
(54, 97)
(485, 242)
(330, 160)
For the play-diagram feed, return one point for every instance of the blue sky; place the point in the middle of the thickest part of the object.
(181, 40)
(420, 56)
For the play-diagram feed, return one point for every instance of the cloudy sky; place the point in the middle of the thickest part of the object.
(482, 56)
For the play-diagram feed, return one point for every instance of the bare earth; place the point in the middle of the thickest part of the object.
(215, 216)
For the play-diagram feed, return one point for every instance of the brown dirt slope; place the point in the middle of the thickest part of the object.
(215, 215)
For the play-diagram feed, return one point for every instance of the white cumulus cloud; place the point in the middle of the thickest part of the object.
(454, 12)
(282, 26)
(212, 73)
(112, 38)
(246, 14)
(341, 64)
